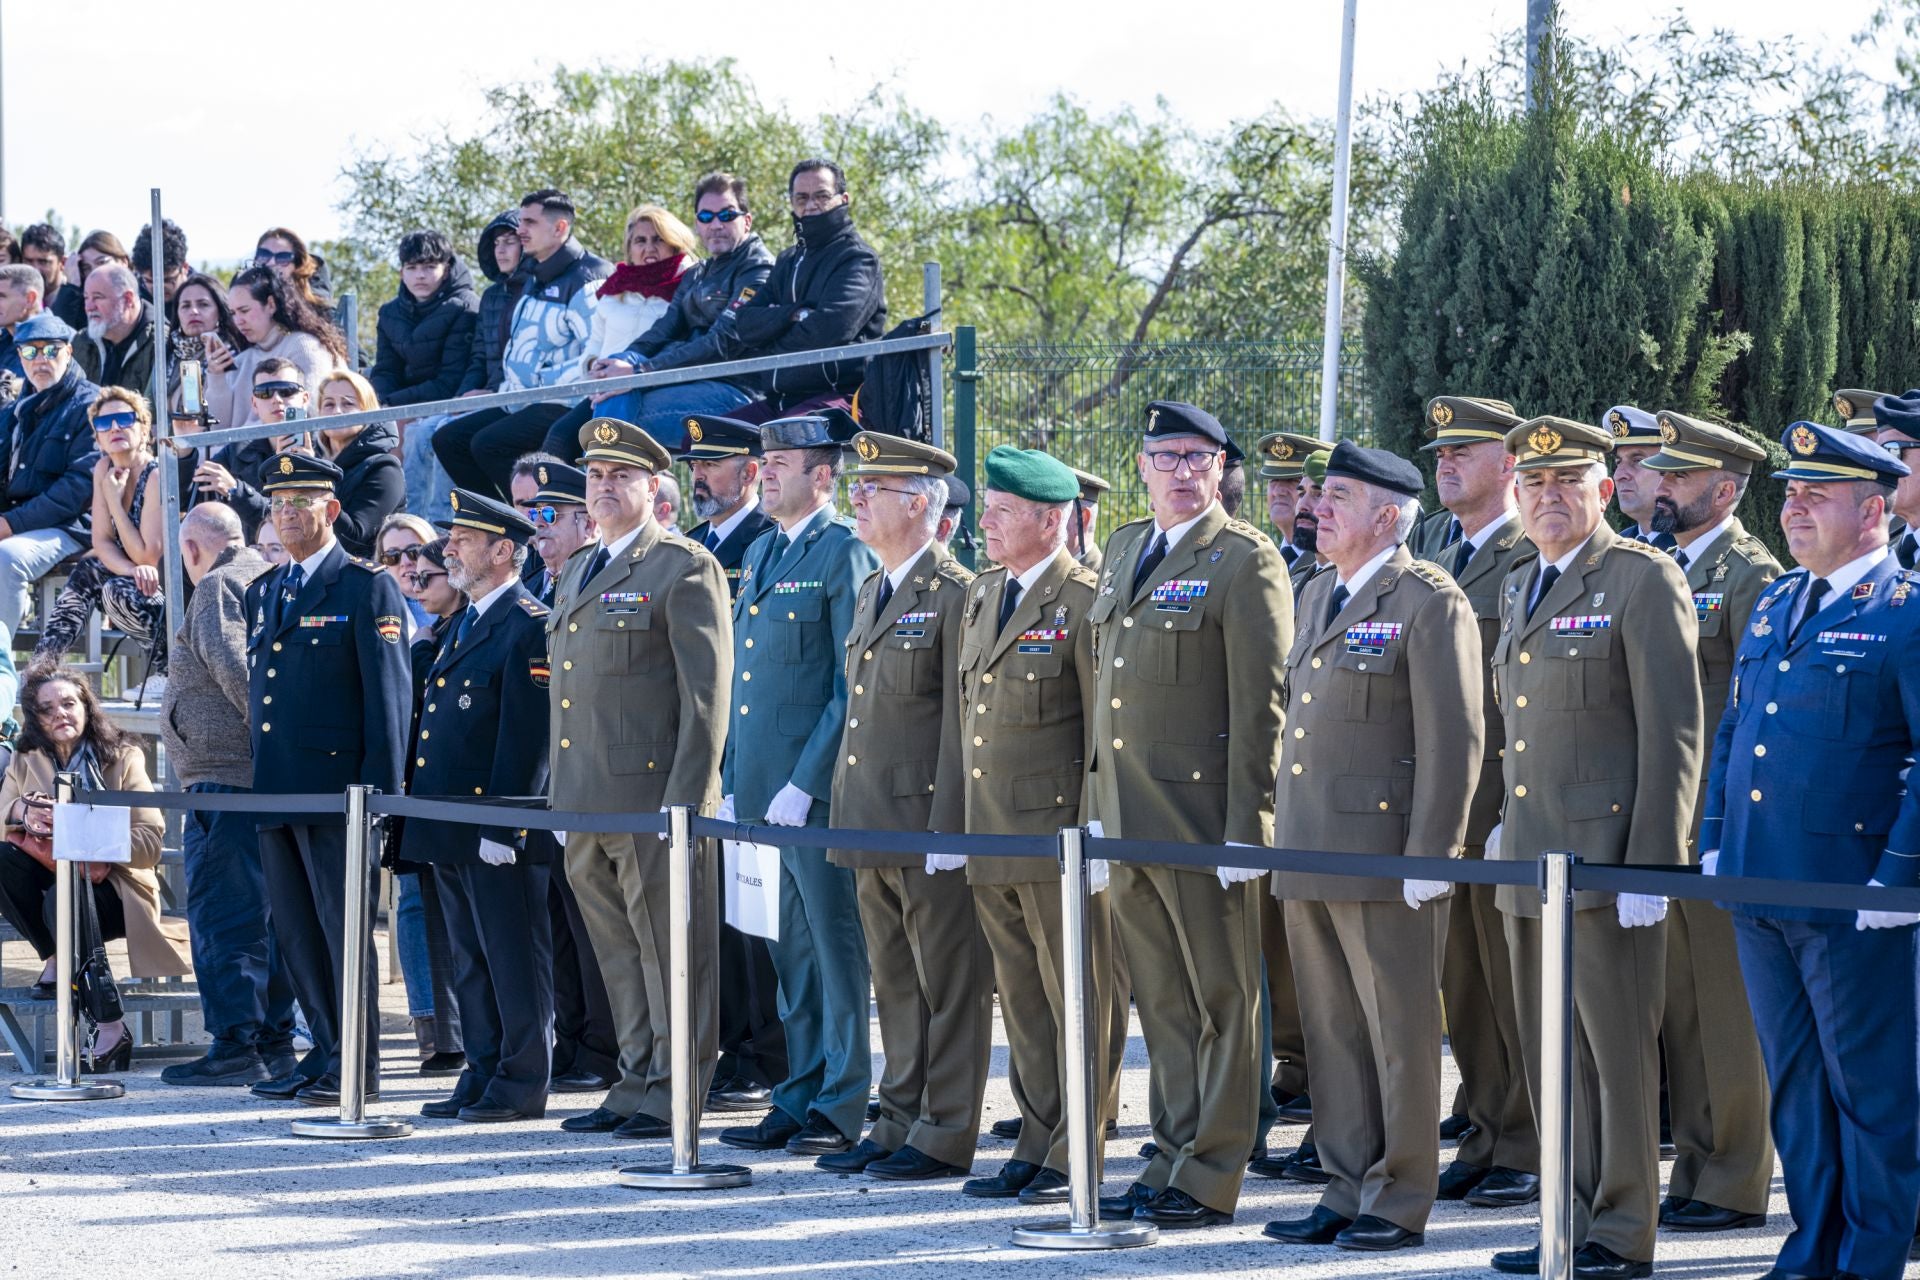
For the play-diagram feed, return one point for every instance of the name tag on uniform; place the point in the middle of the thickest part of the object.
(1706, 602)
(623, 601)
(1178, 594)
(1032, 648)
(322, 619)
(1580, 624)
(790, 587)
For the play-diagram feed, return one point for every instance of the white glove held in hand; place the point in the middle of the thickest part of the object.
(1638, 910)
(1710, 862)
(1417, 892)
(1230, 876)
(725, 812)
(1098, 873)
(663, 835)
(789, 808)
(945, 862)
(1493, 841)
(495, 854)
(1883, 919)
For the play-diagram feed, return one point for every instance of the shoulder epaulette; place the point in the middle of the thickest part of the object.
(1081, 574)
(1639, 548)
(533, 608)
(369, 565)
(1430, 573)
(1245, 530)
(954, 571)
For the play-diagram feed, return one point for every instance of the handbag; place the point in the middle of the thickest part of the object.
(95, 993)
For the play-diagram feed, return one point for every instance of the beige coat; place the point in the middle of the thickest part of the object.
(156, 948)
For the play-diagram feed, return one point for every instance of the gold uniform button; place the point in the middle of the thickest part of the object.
(1772, 707)
(1616, 808)
(743, 708)
(1196, 775)
(1115, 704)
(1031, 676)
(1520, 701)
(567, 665)
(853, 759)
(1520, 790)
(566, 704)
(441, 683)
(1126, 622)
(424, 735)
(621, 623)
(573, 626)
(976, 773)
(860, 688)
(1501, 753)
(1525, 658)
(477, 791)
(1760, 750)
(266, 728)
(867, 656)
(754, 609)
(1785, 665)
(1299, 769)
(419, 761)
(1754, 795)
(749, 644)
(1383, 806)
(1520, 745)
(276, 646)
(1119, 662)
(1306, 697)
(565, 743)
(1573, 651)
(789, 615)
(1299, 733)
(906, 644)
(980, 708)
(978, 741)
(1118, 743)
(1169, 624)
(266, 701)
(1363, 666)
(1316, 664)
(271, 673)
(987, 678)
(1056, 799)
(746, 675)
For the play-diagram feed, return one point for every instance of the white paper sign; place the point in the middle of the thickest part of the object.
(753, 888)
(89, 833)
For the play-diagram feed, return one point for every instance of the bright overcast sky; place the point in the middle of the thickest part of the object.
(242, 138)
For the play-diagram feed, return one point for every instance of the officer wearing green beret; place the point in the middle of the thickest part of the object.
(1716, 1080)
(1190, 630)
(1595, 671)
(1476, 537)
(1026, 688)
(640, 649)
(899, 770)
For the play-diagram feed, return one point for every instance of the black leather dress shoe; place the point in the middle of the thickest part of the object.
(1148, 1150)
(770, 1134)
(1669, 1203)
(1294, 1107)
(598, 1120)
(1459, 1178)
(1012, 1179)
(909, 1164)
(817, 1137)
(1318, 1227)
(1175, 1210)
(325, 1092)
(41, 991)
(1454, 1128)
(579, 1082)
(856, 1160)
(1007, 1130)
(1269, 1166)
(444, 1109)
(444, 1064)
(281, 1088)
(1049, 1186)
(1504, 1189)
(1597, 1262)
(642, 1125)
(1517, 1262)
(1376, 1235)
(1698, 1215)
(739, 1094)
(873, 1111)
(1121, 1207)
(496, 1113)
(1304, 1166)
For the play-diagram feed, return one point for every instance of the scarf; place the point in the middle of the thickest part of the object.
(653, 280)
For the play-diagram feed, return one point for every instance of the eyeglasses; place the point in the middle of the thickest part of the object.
(1198, 460)
(719, 215)
(867, 488)
(40, 350)
(550, 514)
(266, 257)
(277, 390)
(109, 421)
(1898, 447)
(293, 502)
(420, 580)
(814, 199)
(392, 558)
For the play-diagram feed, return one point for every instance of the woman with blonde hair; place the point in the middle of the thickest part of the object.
(660, 248)
(373, 485)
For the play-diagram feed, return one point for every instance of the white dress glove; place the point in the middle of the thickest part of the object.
(495, 854)
(789, 808)
(1493, 841)
(1883, 919)
(1710, 862)
(1230, 876)
(1418, 892)
(662, 835)
(1638, 910)
(725, 812)
(945, 862)
(1098, 872)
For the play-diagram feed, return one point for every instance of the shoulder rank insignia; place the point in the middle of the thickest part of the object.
(532, 608)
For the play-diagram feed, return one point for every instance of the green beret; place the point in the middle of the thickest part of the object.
(1031, 474)
(1316, 465)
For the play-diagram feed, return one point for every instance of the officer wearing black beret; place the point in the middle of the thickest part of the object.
(328, 698)
(483, 732)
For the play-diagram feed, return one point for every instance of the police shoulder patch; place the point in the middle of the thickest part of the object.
(390, 628)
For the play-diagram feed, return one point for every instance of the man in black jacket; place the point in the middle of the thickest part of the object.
(425, 339)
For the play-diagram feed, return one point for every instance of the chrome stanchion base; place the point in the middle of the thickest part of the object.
(706, 1177)
(337, 1128)
(54, 1091)
(1062, 1234)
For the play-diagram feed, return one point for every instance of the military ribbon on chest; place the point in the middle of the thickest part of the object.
(1848, 637)
(1039, 639)
(623, 601)
(1708, 602)
(913, 625)
(789, 587)
(1372, 637)
(322, 619)
(1176, 595)
(1580, 624)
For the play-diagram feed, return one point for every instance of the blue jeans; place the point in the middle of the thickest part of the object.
(245, 993)
(659, 411)
(428, 484)
(426, 958)
(410, 939)
(25, 558)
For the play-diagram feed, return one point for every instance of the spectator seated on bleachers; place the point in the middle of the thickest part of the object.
(276, 324)
(21, 294)
(117, 348)
(371, 486)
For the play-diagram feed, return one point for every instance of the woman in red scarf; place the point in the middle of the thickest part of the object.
(660, 248)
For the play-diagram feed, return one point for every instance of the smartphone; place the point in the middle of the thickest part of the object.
(191, 402)
(295, 412)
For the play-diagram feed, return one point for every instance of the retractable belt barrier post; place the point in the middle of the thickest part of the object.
(352, 1121)
(1556, 1066)
(686, 1172)
(66, 1085)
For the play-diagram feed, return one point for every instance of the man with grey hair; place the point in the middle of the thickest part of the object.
(666, 502)
(245, 994)
(1384, 672)
(899, 770)
(117, 348)
(22, 293)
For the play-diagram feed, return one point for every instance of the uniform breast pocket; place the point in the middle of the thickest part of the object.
(321, 637)
(1364, 686)
(1584, 665)
(622, 643)
(1187, 648)
(909, 665)
(1851, 680)
(798, 636)
(1036, 692)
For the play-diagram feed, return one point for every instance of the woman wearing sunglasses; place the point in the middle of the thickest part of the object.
(121, 577)
(304, 272)
(397, 549)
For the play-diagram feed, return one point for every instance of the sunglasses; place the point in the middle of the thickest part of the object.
(1898, 447)
(40, 350)
(277, 390)
(422, 579)
(264, 257)
(391, 558)
(722, 215)
(109, 421)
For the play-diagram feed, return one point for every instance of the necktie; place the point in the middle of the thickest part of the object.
(1009, 601)
(1909, 545)
(886, 594)
(1463, 556)
(1156, 552)
(1454, 532)
(545, 589)
(1665, 541)
(467, 620)
(1679, 557)
(1335, 603)
(289, 588)
(1816, 592)
(712, 539)
(1289, 553)
(1548, 576)
(600, 560)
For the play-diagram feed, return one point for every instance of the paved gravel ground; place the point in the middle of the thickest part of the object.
(205, 1182)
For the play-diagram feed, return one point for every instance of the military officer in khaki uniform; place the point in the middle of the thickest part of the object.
(1026, 692)
(1476, 537)
(1716, 1080)
(1595, 672)
(1191, 627)
(1283, 456)
(1380, 756)
(641, 651)
(1313, 470)
(1083, 531)
(899, 770)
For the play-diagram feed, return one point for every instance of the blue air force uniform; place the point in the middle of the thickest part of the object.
(1808, 783)
(329, 699)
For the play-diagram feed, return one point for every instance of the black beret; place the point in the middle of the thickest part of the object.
(958, 494)
(1171, 418)
(1388, 471)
